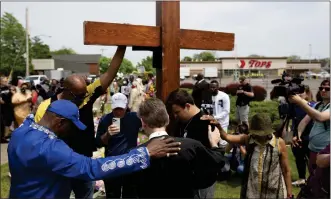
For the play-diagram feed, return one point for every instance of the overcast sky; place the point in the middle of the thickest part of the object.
(269, 29)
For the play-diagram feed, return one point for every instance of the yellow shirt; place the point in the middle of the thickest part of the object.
(44, 105)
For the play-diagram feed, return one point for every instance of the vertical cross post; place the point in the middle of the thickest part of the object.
(166, 58)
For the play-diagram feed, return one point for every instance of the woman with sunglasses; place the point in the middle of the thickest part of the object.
(319, 136)
(300, 149)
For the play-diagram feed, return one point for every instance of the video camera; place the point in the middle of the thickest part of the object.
(286, 88)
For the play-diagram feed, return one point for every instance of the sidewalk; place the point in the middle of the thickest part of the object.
(4, 155)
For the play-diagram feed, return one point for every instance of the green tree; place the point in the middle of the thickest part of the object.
(204, 56)
(64, 51)
(39, 50)
(187, 58)
(13, 45)
(125, 68)
(148, 64)
(255, 56)
(103, 64)
(293, 58)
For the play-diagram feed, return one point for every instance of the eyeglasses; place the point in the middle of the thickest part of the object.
(321, 88)
(81, 96)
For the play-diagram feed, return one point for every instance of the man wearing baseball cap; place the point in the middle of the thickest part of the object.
(118, 133)
(41, 164)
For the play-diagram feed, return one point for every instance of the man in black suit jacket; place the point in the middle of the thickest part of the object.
(176, 176)
(200, 90)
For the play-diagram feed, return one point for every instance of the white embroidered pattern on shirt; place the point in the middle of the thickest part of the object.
(50, 134)
(139, 158)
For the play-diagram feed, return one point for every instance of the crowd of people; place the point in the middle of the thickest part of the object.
(190, 144)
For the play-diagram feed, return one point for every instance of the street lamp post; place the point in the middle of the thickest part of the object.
(27, 44)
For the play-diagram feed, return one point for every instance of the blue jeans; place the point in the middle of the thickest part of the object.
(82, 188)
(240, 168)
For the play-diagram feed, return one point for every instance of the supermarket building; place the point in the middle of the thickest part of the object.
(270, 66)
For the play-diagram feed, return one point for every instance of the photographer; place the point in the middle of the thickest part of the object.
(300, 150)
(319, 136)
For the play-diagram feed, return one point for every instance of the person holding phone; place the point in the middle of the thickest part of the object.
(118, 133)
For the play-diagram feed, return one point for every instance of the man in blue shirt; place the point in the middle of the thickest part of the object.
(41, 164)
(117, 141)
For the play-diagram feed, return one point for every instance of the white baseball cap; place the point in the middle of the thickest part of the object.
(119, 100)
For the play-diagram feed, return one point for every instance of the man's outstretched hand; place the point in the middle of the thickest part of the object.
(159, 148)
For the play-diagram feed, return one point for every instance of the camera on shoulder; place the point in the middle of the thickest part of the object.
(288, 87)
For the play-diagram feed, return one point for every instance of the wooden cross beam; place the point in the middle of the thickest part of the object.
(165, 40)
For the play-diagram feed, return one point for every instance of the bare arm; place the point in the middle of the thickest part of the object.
(249, 94)
(285, 166)
(241, 139)
(243, 151)
(323, 160)
(233, 139)
(313, 113)
(113, 68)
(302, 125)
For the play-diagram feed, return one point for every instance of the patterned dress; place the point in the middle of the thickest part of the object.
(264, 178)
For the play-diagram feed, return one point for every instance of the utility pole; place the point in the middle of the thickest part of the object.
(309, 55)
(27, 43)
(235, 76)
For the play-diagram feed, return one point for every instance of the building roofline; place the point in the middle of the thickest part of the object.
(197, 62)
(304, 62)
(252, 58)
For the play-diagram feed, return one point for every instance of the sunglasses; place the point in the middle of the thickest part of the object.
(321, 88)
(81, 96)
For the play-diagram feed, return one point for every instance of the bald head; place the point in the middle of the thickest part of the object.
(74, 81)
(74, 89)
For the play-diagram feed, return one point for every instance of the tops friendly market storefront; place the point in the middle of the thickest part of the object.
(266, 66)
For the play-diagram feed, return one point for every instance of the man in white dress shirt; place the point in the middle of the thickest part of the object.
(221, 105)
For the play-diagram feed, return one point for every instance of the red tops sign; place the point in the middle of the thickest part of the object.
(255, 63)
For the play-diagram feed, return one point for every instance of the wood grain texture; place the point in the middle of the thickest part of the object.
(157, 54)
(99, 33)
(206, 40)
(170, 47)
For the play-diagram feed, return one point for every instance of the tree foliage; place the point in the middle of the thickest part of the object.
(187, 58)
(13, 45)
(148, 64)
(293, 58)
(64, 51)
(325, 63)
(255, 56)
(204, 56)
(125, 68)
(39, 50)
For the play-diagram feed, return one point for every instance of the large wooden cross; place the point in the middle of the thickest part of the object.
(165, 41)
